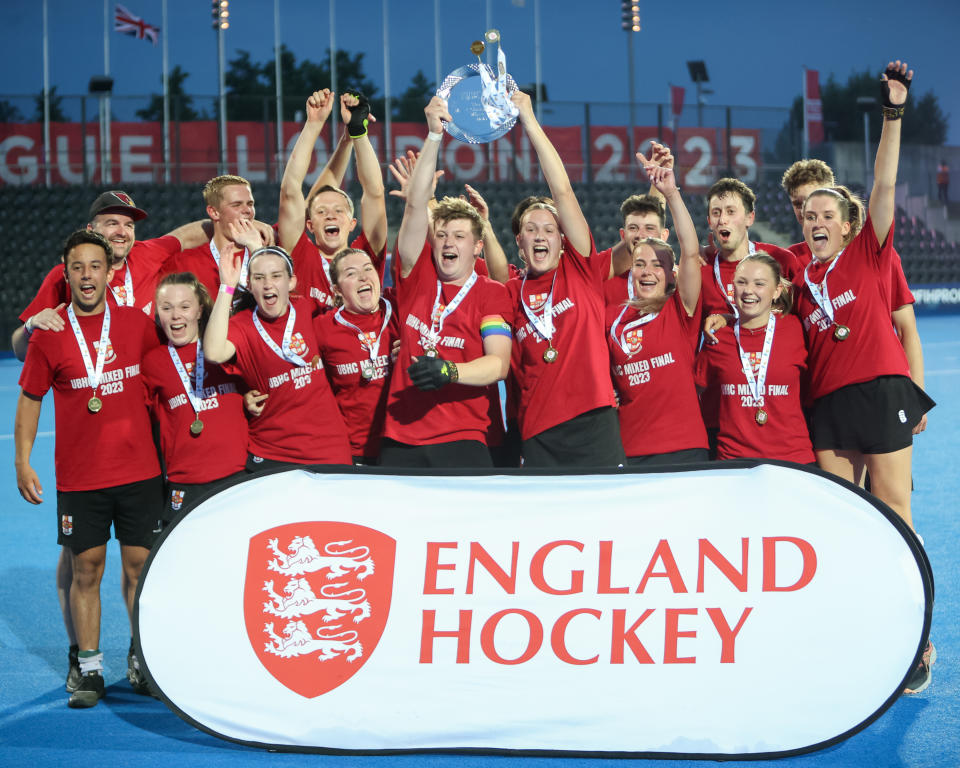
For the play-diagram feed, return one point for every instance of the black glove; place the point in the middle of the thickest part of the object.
(893, 73)
(357, 126)
(430, 373)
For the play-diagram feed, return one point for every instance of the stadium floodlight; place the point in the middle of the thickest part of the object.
(220, 10)
(631, 16)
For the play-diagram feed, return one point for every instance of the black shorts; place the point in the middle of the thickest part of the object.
(459, 454)
(591, 439)
(182, 497)
(877, 416)
(134, 510)
(508, 453)
(686, 456)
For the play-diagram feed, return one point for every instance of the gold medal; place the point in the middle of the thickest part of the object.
(841, 332)
(761, 416)
(551, 354)
(366, 369)
(477, 47)
(196, 427)
(94, 404)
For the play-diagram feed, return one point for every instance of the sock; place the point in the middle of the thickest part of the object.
(90, 661)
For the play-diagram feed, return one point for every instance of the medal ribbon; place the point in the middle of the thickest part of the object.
(822, 298)
(493, 92)
(94, 374)
(543, 324)
(436, 323)
(751, 249)
(283, 352)
(194, 394)
(127, 288)
(757, 384)
(374, 348)
(244, 267)
(621, 339)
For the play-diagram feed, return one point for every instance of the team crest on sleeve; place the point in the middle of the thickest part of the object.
(634, 340)
(297, 344)
(316, 600)
(536, 301)
(111, 355)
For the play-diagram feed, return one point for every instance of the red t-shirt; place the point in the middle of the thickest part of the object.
(362, 401)
(145, 262)
(221, 448)
(719, 301)
(200, 261)
(784, 436)
(312, 280)
(859, 287)
(456, 411)
(300, 422)
(578, 380)
(659, 412)
(900, 293)
(112, 447)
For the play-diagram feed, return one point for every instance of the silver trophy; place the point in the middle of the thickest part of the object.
(478, 98)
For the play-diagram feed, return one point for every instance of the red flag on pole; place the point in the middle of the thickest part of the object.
(126, 23)
(812, 109)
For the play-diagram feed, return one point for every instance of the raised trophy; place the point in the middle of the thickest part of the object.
(478, 99)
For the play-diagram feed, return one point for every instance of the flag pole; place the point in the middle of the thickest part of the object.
(388, 127)
(805, 133)
(46, 100)
(105, 159)
(279, 78)
(335, 112)
(164, 29)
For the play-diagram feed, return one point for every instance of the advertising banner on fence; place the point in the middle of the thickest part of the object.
(697, 612)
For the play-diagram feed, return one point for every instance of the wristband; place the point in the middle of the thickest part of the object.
(28, 326)
(892, 113)
(453, 372)
(431, 136)
(227, 289)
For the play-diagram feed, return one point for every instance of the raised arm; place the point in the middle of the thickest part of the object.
(416, 220)
(688, 271)
(497, 266)
(895, 82)
(355, 111)
(292, 212)
(216, 346)
(572, 221)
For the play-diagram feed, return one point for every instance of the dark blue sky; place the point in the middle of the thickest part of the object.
(754, 50)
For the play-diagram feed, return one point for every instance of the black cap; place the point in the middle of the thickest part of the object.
(116, 201)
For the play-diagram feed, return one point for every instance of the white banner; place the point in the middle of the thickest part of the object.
(736, 610)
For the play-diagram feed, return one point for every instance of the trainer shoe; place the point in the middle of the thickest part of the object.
(922, 674)
(138, 680)
(89, 692)
(73, 673)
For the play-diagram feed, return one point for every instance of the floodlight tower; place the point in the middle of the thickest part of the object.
(220, 10)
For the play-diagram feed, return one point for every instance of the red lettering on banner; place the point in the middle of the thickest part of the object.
(507, 581)
(622, 635)
(711, 553)
(430, 576)
(604, 572)
(727, 636)
(670, 571)
(558, 636)
(538, 577)
(673, 633)
(534, 641)
(807, 552)
(429, 632)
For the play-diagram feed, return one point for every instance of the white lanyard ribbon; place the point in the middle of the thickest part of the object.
(94, 374)
(372, 347)
(244, 267)
(758, 383)
(493, 91)
(283, 351)
(751, 249)
(437, 316)
(127, 299)
(822, 298)
(544, 323)
(195, 393)
(621, 339)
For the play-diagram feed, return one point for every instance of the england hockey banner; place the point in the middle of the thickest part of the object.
(738, 609)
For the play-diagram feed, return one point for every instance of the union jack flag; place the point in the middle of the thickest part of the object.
(126, 23)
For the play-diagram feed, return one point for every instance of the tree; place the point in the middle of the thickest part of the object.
(181, 103)
(408, 107)
(9, 113)
(57, 114)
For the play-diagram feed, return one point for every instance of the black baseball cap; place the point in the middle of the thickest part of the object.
(116, 201)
